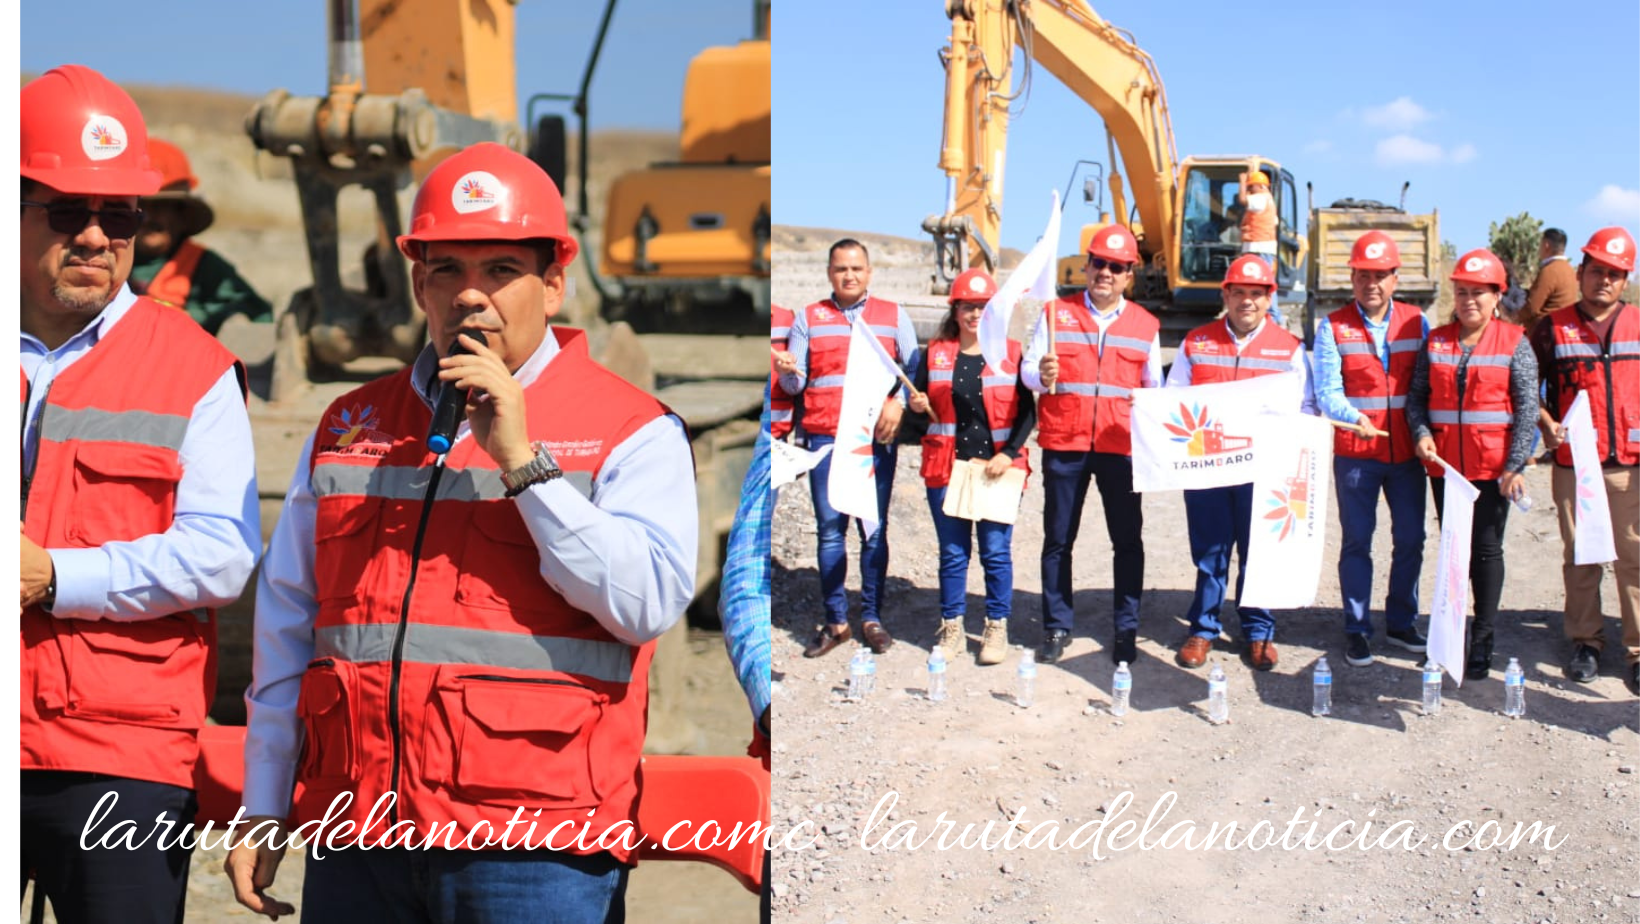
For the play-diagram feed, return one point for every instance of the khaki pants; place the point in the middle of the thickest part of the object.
(1583, 617)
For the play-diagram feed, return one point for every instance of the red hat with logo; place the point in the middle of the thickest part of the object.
(974, 285)
(1114, 242)
(1375, 250)
(488, 192)
(1481, 266)
(81, 133)
(1613, 247)
(1249, 269)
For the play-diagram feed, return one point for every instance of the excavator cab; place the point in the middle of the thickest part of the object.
(1209, 230)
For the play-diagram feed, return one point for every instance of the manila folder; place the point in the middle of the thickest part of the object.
(972, 496)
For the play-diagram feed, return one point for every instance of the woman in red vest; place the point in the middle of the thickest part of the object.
(1473, 405)
(977, 412)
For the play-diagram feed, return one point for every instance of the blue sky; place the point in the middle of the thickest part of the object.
(253, 47)
(1488, 110)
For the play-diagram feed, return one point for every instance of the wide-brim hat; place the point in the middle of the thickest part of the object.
(196, 213)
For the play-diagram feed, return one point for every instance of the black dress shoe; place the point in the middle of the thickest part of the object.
(1477, 670)
(1125, 648)
(826, 640)
(1585, 664)
(1633, 678)
(1053, 646)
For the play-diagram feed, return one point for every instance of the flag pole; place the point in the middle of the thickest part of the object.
(1048, 307)
(1373, 431)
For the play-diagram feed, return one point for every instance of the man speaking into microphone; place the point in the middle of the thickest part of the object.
(467, 633)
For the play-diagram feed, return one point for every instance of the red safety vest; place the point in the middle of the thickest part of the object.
(1092, 403)
(1213, 356)
(175, 279)
(1609, 372)
(1001, 399)
(445, 668)
(1380, 395)
(780, 403)
(828, 357)
(1473, 434)
(125, 698)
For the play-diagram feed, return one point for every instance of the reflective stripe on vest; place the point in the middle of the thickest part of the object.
(1212, 359)
(435, 644)
(1377, 402)
(404, 482)
(93, 424)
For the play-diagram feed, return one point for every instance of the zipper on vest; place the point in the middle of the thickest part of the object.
(30, 459)
(499, 679)
(398, 635)
(1611, 406)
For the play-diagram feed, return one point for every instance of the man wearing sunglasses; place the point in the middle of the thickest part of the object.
(139, 515)
(1102, 348)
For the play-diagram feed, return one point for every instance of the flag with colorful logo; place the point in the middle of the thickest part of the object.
(1289, 529)
(1203, 436)
(852, 485)
(1448, 613)
(1033, 278)
(1592, 541)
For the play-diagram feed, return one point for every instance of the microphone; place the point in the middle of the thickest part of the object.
(451, 401)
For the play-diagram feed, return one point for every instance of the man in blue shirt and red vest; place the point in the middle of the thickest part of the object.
(814, 365)
(139, 513)
(1364, 356)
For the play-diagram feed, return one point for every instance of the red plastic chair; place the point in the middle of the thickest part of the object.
(697, 800)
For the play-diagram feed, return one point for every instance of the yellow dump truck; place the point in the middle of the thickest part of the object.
(1333, 231)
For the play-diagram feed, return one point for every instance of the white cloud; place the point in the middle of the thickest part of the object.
(1405, 149)
(1399, 115)
(1463, 153)
(1319, 146)
(1616, 204)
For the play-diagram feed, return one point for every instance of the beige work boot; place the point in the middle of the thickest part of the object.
(993, 648)
(952, 637)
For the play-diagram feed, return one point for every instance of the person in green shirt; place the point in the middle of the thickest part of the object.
(170, 267)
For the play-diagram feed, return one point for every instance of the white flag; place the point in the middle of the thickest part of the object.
(1289, 529)
(787, 463)
(1202, 436)
(1591, 516)
(1033, 278)
(852, 486)
(1446, 614)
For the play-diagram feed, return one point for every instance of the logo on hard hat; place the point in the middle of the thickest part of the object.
(1253, 269)
(475, 192)
(1375, 250)
(1474, 264)
(1114, 241)
(1614, 246)
(103, 137)
(977, 283)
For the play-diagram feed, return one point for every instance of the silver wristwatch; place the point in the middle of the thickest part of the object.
(540, 469)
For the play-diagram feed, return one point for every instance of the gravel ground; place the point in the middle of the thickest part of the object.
(1395, 776)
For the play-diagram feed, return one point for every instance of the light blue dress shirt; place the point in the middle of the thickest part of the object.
(1329, 373)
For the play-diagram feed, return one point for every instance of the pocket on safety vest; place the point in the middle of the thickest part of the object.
(339, 559)
(517, 741)
(326, 706)
(150, 672)
(122, 491)
(498, 533)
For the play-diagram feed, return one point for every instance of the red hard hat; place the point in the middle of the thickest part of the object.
(1114, 242)
(172, 165)
(974, 285)
(1249, 269)
(1613, 247)
(1481, 266)
(488, 192)
(1375, 250)
(82, 134)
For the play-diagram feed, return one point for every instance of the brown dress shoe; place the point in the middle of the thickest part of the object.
(825, 640)
(876, 636)
(1262, 655)
(1193, 653)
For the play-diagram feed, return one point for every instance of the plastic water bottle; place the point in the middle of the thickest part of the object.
(1514, 690)
(936, 674)
(857, 675)
(871, 671)
(1522, 503)
(1121, 686)
(1432, 688)
(1026, 694)
(1218, 696)
(1323, 689)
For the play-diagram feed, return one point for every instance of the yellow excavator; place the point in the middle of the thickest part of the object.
(1182, 212)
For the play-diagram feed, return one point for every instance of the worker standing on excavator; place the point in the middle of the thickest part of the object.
(447, 636)
(170, 267)
(1104, 347)
(1364, 356)
(1243, 345)
(139, 515)
(1258, 225)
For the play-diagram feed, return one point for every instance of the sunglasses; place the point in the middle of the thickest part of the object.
(72, 217)
(1099, 263)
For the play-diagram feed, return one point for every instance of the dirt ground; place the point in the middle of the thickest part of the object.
(1395, 776)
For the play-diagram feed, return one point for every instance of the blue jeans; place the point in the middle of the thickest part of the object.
(1358, 483)
(832, 550)
(412, 886)
(995, 554)
(1219, 518)
(1065, 478)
